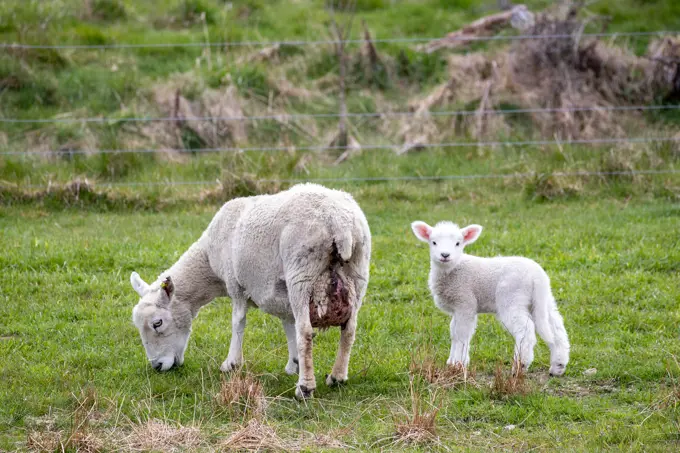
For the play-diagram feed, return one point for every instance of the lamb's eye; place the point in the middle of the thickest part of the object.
(457, 244)
(434, 243)
(157, 324)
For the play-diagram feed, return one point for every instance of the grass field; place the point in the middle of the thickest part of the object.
(66, 305)
(73, 374)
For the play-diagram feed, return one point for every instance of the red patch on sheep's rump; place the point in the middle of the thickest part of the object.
(338, 306)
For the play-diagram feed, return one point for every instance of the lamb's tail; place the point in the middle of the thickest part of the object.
(549, 324)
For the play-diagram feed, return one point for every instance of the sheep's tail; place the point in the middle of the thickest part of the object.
(549, 324)
(343, 239)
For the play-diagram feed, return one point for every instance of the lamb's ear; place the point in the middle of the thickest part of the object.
(422, 230)
(471, 233)
(167, 289)
(138, 284)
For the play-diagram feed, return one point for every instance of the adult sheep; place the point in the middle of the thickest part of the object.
(301, 255)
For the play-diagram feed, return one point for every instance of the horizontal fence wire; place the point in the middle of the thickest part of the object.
(412, 178)
(332, 41)
(294, 116)
(350, 147)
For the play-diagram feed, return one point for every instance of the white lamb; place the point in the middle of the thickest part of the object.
(516, 289)
(301, 255)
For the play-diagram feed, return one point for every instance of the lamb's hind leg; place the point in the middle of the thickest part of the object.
(234, 359)
(340, 368)
(519, 323)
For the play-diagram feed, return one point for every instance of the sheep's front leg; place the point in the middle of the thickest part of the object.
(339, 373)
(292, 367)
(239, 308)
(463, 325)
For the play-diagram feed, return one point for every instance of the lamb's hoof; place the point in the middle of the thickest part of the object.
(229, 365)
(292, 367)
(302, 392)
(332, 381)
(557, 370)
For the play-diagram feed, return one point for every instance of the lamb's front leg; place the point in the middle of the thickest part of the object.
(292, 367)
(239, 308)
(340, 368)
(463, 325)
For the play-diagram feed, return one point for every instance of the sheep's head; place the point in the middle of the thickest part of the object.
(446, 240)
(163, 324)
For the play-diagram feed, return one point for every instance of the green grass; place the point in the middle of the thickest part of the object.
(66, 304)
(609, 243)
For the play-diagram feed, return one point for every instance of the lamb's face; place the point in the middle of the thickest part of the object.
(446, 240)
(163, 326)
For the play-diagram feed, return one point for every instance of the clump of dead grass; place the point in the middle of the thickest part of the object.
(234, 185)
(553, 186)
(158, 435)
(425, 366)
(257, 436)
(419, 425)
(506, 385)
(242, 394)
(79, 437)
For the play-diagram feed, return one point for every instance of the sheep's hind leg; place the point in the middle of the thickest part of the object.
(520, 324)
(340, 368)
(234, 359)
(292, 367)
(462, 328)
(299, 294)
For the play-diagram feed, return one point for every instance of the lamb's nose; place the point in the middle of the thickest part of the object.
(445, 255)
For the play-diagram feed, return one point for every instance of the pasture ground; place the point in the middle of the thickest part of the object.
(66, 334)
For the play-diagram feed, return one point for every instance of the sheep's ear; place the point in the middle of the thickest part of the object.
(471, 233)
(167, 289)
(422, 230)
(138, 284)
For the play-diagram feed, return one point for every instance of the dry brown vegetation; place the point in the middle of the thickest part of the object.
(552, 73)
(242, 394)
(419, 424)
(425, 366)
(509, 384)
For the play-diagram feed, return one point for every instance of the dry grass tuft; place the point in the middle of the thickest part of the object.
(80, 437)
(550, 186)
(512, 384)
(419, 425)
(159, 436)
(449, 376)
(242, 394)
(234, 185)
(256, 436)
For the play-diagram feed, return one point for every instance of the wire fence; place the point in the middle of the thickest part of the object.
(469, 144)
(401, 178)
(384, 114)
(332, 41)
(285, 117)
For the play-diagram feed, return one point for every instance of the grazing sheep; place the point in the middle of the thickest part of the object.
(516, 289)
(301, 255)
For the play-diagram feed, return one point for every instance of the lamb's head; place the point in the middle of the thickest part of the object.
(163, 324)
(446, 240)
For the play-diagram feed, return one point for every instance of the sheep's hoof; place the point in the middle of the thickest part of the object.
(332, 381)
(302, 392)
(292, 367)
(557, 370)
(229, 365)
